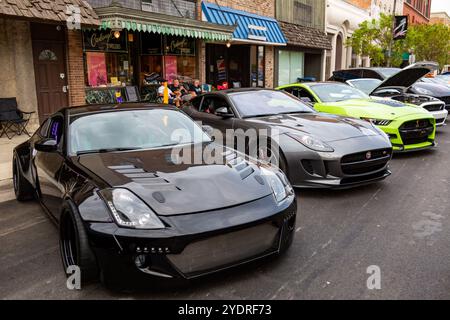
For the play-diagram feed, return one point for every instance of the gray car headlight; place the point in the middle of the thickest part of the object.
(130, 211)
(279, 184)
(311, 142)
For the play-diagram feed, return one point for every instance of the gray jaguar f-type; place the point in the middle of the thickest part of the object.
(315, 150)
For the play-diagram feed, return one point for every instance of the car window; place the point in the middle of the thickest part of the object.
(333, 92)
(371, 74)
(344, 75)
(44, 128)
(267, 102)
(133, 129)
(196, 102)
(210, 104)
(56, 129)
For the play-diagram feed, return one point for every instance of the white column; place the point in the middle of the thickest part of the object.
(323, 76)
(333, 55)
(349, 57)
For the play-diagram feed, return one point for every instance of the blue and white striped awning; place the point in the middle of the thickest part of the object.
(251, 28)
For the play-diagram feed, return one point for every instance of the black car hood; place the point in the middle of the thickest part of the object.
(324, 126)
(437, 89)
(171, 189)
(408, 76)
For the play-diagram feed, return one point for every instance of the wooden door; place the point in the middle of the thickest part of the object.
(51, 76)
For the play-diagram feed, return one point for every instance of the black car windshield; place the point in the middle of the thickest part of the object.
(333, 92)
(266, 103)
(132, 129)
(365, 85)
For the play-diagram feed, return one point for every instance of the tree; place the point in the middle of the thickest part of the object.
(430, 42)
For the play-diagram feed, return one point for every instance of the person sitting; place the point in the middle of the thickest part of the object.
(180, 91)
(173, 99)
(196, 88)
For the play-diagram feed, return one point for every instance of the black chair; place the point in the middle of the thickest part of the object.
(12, 119)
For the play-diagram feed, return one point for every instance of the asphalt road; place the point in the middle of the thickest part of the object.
(401, 225)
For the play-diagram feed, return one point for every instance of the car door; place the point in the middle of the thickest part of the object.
(49, 165)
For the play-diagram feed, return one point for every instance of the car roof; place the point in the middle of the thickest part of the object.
(96, 108)
(236, 90)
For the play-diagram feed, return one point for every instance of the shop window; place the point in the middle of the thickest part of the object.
(47, 55)
(290, 66)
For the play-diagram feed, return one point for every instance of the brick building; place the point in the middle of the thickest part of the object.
(376, 7)
(418, 11)
(440, 17)
(41, 57)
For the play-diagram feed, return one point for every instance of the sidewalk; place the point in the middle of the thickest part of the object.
(6, 153)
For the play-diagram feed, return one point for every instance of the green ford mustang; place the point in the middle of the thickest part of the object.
(409, 127)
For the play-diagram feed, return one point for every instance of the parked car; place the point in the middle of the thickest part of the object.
(408, 83)
(314, 149)
(377, 90)
(127, 210)
(409, 127)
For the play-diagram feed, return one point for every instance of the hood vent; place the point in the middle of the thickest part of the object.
(239, 164)
(144, 178)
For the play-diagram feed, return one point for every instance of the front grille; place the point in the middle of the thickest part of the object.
(365, 162)
(226, 249)
(437, 106)
(416, 131)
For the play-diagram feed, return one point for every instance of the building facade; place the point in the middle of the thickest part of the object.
(418, 11)
(440, 17)
(303, 24)
(342, 19)
(40, 51)
(376, 7)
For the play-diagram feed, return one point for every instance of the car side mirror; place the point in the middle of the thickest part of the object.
(223, 112)
(46, 145)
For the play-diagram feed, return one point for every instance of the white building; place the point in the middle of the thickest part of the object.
(342, 19)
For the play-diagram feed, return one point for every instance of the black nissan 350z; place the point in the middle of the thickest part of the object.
(127, 207)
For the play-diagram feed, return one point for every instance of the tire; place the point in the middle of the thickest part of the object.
(23, 190)
(74, 246)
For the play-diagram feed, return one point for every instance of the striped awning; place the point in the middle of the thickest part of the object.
(134, 20)
(251, 28)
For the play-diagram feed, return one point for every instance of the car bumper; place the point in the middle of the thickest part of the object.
(332, 170)
(440, 116)
(195, 244)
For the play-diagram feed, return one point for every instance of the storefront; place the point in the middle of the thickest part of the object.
(303, 58)
(129, 56)
(244, 61)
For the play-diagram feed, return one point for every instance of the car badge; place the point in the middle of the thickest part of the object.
(368, 155)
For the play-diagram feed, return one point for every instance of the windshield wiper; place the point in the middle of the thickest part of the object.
(293, 112)
(105, 150)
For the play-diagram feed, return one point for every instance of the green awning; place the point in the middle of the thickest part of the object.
(135, 20)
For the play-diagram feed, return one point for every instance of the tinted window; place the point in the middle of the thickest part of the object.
(344, 75)
(56, 129)
(329, 92)
(371, 74)
(365, 85)
(133, 129)
(211, 104)
(44, 128)
(267, 102)
(196, 102)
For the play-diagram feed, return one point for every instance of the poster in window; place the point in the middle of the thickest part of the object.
(180, 46)
(170, 67)
(221, 70)
(100, 40)
(96, 68)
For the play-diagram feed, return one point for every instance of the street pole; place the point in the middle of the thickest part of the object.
(391, 43)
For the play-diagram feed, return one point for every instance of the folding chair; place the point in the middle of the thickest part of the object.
(12, 119)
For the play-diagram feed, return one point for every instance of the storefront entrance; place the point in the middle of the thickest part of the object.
(49, 68)
(239, 66)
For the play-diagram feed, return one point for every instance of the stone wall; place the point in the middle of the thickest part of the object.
(16, 61)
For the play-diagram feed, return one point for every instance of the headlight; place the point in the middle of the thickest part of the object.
(278, 183)
(130, 211)
(378, 122)
(311, 142)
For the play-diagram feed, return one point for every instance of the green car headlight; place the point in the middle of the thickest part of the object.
(378, 122)
(311, 142)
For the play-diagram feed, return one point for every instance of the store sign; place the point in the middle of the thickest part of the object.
(257, 32)
(180, 46)
(104, 41)
(401, 27)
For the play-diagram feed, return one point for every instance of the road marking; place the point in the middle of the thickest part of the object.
(22, 226)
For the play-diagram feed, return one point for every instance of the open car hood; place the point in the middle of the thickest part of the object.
(408, 76)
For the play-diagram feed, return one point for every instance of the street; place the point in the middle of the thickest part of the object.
(401, 225)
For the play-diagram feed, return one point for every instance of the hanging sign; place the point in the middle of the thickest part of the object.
(401, 27)
(105, 41)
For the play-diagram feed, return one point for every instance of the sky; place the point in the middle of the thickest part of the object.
(440, 5)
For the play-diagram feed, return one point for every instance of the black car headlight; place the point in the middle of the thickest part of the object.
(311, 142)
(279, 184)
(130, 211)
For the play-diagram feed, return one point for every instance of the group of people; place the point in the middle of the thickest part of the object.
(179, 93)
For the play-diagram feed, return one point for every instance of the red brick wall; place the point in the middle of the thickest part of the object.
(261, 7)
(75, 65)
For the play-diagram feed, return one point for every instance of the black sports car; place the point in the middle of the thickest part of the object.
(315, 150)
(127, 207)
